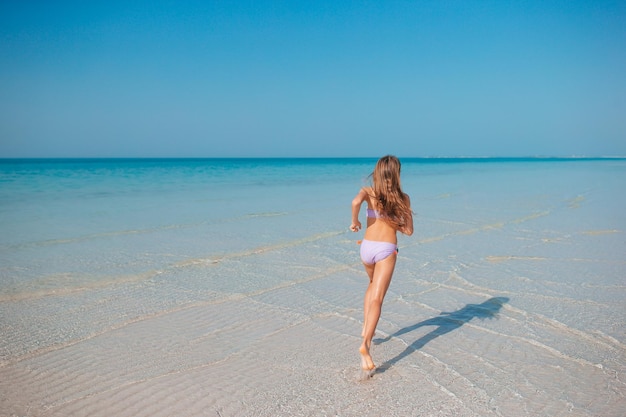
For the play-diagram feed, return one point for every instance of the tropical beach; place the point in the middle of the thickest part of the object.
(228, 287)
(178, 234)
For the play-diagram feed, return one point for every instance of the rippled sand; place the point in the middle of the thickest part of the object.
(491, 312)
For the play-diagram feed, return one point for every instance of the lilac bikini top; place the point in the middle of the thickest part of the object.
(374, 214)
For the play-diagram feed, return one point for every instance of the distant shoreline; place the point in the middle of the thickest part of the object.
(426, 160)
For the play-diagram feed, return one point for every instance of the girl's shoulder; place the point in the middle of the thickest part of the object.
(368, 193)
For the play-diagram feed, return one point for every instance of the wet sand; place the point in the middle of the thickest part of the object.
(515, 310)
(291, 349)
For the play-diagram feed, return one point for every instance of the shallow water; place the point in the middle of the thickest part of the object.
(233, 287)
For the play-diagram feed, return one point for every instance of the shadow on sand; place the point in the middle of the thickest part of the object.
(445, 323)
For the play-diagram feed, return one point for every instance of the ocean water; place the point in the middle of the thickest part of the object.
(71, 224)
(189, 283)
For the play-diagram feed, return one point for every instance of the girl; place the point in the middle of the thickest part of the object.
(388, 211)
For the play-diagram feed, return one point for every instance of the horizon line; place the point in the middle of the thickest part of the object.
(508, 158)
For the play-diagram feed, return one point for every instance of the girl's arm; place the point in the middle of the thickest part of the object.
(356, 208)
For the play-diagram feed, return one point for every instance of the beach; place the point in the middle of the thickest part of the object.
(234, 288)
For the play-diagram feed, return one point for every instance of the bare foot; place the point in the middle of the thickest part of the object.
(367, 364)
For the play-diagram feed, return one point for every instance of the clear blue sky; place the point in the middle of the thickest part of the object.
(312, 78)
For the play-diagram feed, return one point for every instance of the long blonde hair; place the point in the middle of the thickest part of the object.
(392, 202)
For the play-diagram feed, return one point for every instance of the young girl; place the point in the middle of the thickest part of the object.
(388, 211)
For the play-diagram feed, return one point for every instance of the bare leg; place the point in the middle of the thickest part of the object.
(368, 293)
(374, 296)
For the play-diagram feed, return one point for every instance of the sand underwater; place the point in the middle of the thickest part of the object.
(509, 300)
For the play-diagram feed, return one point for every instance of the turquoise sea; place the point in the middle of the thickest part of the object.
(119, 275)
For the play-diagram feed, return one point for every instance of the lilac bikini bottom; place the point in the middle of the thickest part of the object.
(373, 251)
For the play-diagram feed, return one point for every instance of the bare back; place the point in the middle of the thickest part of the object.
(377, 228)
